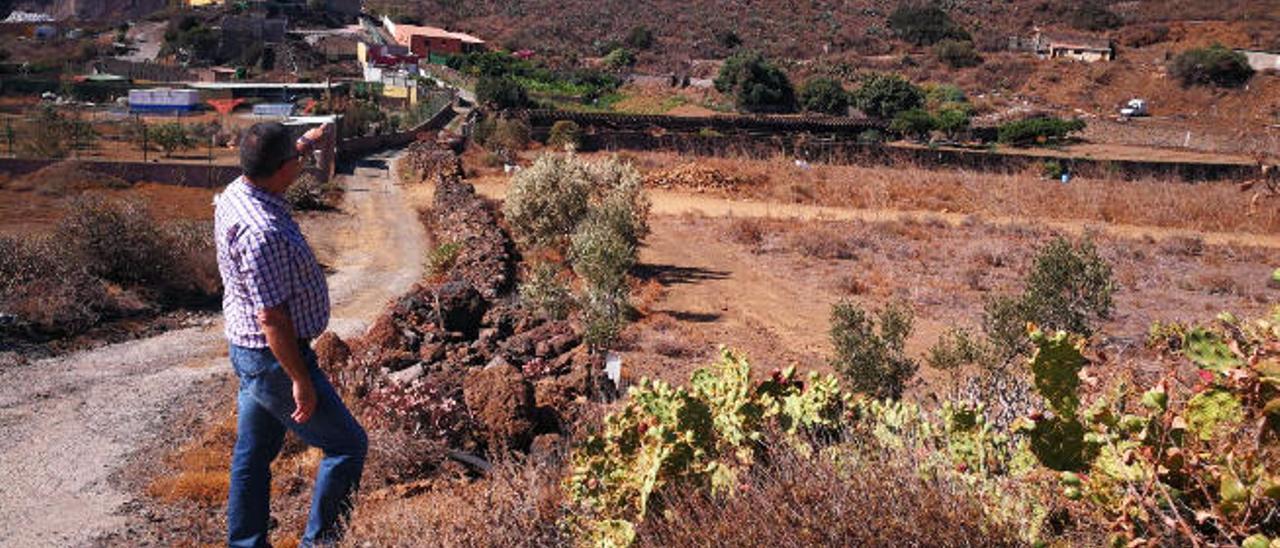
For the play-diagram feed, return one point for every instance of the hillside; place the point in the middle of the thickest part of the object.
(847, 39)
(799, 30)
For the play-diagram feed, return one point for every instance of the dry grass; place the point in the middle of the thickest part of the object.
(197, 480)
(1215, 207)
(795, 500)
(516, 505)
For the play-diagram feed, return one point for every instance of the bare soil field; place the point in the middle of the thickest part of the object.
(766, 286)
(38, 200)
(753, 256)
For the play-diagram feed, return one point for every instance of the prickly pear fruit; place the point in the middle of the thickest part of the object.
(1156, 399)
(1256, 541)
(1070, 479)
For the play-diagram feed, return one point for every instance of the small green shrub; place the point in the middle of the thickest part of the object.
(924, 24)
(870, 353)
(756, 84)
(1069, 288)
(546, 293)
(1037, 131)
(619, 59)
(824, 95)
(885, 95)
(547, 200)
(1212, 66)
(170, 137)
(952, 122)
(501, 93)
(871, 137)
(957, 54)
(503, 135)
(565, 134)
(915, 123)
(1051, 169)
(955, 348)
(593, 214)
(442, 259)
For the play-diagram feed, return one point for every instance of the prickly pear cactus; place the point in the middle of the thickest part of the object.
(1211, 411)
(1056, 365)
(702, 437)
(1210, 351)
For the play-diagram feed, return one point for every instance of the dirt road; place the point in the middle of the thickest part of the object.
(69, 423)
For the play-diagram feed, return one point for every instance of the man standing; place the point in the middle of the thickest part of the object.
(275, 301)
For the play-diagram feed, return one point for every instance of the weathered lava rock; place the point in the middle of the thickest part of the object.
(502, 402)
(331, 352)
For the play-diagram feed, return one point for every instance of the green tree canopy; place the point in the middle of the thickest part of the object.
(885, 95)
(925, 25)
(756, 85)
(1212, 66)
(824, 95)
(501, 93)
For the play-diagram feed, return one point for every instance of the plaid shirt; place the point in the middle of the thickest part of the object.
(265, 261)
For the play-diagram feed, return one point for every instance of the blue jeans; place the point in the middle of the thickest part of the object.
(265, 403)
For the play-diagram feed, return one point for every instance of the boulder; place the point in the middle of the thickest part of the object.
(408, 374)
(461, 307)
(331, 352)
(502, 402)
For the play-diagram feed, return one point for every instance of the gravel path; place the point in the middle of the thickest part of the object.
(69, 423)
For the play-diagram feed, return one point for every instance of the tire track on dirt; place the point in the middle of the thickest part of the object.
(69, 423)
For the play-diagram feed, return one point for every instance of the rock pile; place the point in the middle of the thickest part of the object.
(695, 177)
(427, 160)
(457, 360)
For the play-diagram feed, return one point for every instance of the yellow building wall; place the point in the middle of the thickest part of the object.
(199, 3)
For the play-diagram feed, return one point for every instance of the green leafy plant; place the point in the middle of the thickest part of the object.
(885, 95)
(501, 93)
(1037, 131)
(1212, 66)
(756, 84)
(565, 134)
(824, 95)
(957, 53)
(619, 59)
(701, 437)
(442, 258)
(1156, 468)
(546, 292)
(924, 24)
(870, 352)
(170, 137)
(914, 123)
(1069, 288)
